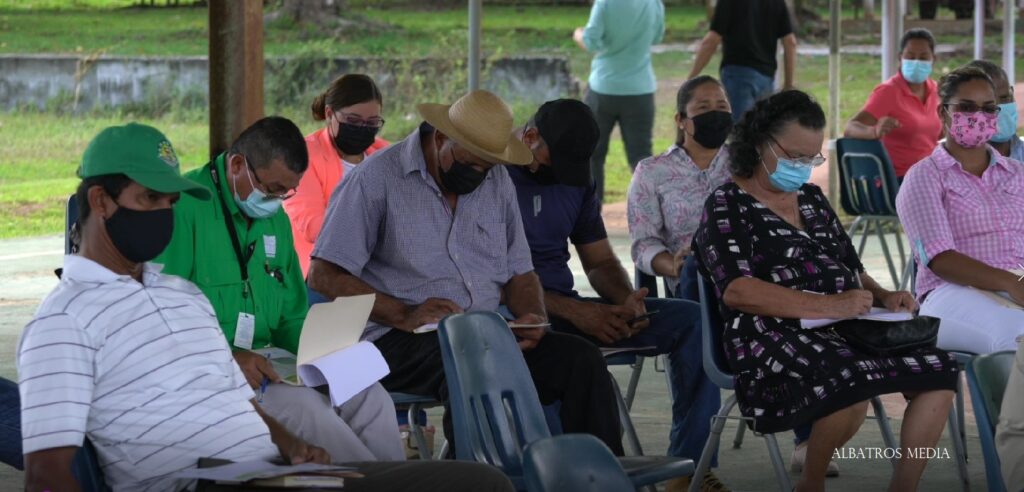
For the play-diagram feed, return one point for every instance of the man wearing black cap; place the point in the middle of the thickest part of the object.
(558, 202)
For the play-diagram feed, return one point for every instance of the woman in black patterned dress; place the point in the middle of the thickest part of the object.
(776, 253)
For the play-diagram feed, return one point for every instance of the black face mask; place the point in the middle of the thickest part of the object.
(712, 128)
(140, 235)
(354, 139)
(461, 178)
(545, 175)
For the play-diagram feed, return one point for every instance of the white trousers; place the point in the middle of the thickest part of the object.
(365, 428)
(971, 321)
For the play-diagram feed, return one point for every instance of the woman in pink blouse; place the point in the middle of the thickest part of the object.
(667, 193)
(351, 109)
(963, 210)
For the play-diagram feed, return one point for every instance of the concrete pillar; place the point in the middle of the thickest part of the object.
(1009, 42)
(475, 14)
(236, 69)
(834, 40)
(979, 29)
(892, 30)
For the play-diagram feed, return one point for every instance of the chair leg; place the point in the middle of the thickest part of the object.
(625, 421)
(884, 426)
(908, 272)
(441, 453)
(885, 251)
(958, 401)
(634, 381)
(417, 432)
(711, 446)
(858, 223)
(959, 450)
(737, 441)
(780, 468)
(899, 244)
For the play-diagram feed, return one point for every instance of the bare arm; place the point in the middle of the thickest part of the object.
(789, 61)
(705, 50)
(754, 296)
(333, 281)
(50, 469)
(862, 126)
(524, 295)
(961, 269)
(606, 274)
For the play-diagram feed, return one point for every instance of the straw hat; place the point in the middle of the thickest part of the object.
(481, 123)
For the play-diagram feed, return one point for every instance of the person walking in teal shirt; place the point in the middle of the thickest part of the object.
(621, 85)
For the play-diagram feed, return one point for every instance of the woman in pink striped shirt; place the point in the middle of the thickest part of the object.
(963, 210)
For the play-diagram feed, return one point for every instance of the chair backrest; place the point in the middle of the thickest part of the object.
(989, 373)
(867, 179)
(573, 463)
(70, 217)
(641, 279)
(495, 409)
(715, 364)
(986, 377)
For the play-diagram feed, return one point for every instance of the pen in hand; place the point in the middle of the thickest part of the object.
(263, 388)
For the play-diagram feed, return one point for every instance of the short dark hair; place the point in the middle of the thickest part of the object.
(918, 33)
(345, 91)
(112, 184)
(991, 69)
(764, 121)
(952, 81)
(272, 138)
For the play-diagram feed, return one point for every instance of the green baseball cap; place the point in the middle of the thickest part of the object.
(143, 154)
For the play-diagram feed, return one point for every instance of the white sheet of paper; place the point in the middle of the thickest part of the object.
(332, 326)
(876, 314)
(243, 471)
(346, 372)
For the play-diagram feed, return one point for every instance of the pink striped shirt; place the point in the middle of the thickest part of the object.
(944, 208)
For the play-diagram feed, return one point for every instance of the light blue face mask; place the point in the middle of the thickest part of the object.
(789, 174)
(1007, 123)
(915, 71)
(257, 205)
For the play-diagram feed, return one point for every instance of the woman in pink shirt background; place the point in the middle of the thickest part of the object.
(902, 111)
(963, 210)
(351, 108)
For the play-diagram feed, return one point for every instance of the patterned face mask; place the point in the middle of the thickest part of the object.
(974, 129)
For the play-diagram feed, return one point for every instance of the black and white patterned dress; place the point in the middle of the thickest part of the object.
(786, 375)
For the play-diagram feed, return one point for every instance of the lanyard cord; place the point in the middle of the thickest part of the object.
(243, 257)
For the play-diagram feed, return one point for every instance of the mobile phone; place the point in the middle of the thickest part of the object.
(642, 317)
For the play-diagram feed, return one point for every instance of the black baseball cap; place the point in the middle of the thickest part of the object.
(570, 131)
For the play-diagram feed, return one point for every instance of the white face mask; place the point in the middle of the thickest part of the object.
(257, 205)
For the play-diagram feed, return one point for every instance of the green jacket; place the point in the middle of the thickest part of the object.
(201, 251)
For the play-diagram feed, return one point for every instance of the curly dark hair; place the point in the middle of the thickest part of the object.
(764, 121)
(952, 81)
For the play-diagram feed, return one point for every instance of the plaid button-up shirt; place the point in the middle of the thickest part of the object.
(943, 208)
(388, 224)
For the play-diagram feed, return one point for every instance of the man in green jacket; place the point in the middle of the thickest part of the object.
(237, 247)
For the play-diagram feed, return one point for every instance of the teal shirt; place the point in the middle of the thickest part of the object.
(201, 251)
(620, 34)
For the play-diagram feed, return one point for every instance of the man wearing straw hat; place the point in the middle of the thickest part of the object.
(431, 225)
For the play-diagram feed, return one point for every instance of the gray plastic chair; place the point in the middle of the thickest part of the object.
(573, 463)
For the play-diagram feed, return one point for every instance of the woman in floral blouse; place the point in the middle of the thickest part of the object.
(667, 193)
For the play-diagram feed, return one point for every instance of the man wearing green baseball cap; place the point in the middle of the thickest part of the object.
(133, 360)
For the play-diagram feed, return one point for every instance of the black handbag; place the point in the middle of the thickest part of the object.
(889, 338)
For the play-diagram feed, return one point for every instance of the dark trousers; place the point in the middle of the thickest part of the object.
(675, 331)
(564, 368)
(10, 424)
(635, 116)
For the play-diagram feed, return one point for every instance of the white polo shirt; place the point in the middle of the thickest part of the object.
(142, 369)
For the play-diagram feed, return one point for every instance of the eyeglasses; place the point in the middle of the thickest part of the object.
(970, 107)
(355, 119)
(813, 161)
(269, 196)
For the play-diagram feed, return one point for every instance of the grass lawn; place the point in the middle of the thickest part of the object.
(42, 149)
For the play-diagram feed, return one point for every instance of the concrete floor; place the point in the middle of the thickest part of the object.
(26, 266)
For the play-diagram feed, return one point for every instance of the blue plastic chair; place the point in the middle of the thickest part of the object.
(717, 368)
(868, 190)
(986, 377)
(573, 463)
(495, 409)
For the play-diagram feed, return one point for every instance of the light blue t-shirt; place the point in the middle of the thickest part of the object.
(620, 33)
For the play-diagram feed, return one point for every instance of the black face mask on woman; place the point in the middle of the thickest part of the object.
(140, 235)
(712, 128)
(354, 139)
(461, 178)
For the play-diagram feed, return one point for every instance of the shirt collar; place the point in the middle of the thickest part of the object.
(944, 160)
(930, 86)
(220, 164)
(83, 269)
